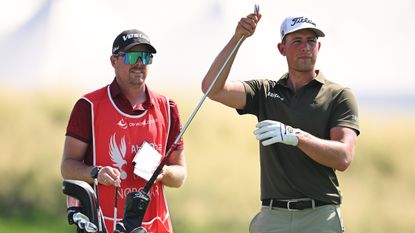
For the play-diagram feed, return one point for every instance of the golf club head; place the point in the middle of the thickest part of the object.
(256, 9)
(70, 213)
(81, 224)
(90, 227)
(120, 228)
(139, 230)
(79, 216)
(87, 226)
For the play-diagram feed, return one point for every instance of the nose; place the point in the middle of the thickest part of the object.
(139, 61)
(306, 47)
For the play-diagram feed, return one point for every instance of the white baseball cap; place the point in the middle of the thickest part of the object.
(292, 24)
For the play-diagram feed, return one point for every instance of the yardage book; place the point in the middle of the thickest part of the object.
(146, 161)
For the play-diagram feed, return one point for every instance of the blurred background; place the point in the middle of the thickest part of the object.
(54, 51)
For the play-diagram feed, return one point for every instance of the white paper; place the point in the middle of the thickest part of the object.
(146, 161)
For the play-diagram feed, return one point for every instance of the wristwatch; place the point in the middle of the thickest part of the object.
(95, 171)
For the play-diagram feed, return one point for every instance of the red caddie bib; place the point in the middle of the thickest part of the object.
(116, 139)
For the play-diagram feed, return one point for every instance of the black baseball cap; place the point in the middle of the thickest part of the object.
(130, 38)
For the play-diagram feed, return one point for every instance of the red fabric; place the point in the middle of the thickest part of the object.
(117, 138)
(80, 122)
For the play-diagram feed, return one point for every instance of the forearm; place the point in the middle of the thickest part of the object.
(217, 65)
(76, 170)
(331, 153)
(174, 176)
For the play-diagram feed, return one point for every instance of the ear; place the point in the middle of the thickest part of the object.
(113, 60)
(281, 48)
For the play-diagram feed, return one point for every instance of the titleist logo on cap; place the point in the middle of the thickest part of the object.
(302, 20)
(135, 35)
(292, 24)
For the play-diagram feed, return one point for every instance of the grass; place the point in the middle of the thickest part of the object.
(39, 224)
(221, 193)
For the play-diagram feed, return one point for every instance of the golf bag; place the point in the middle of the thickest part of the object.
(135, 208)
(88, 207)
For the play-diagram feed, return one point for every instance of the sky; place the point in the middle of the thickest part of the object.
(67, 43)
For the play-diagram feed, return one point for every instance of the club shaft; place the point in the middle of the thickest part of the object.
(99, 213)
(115, 206)
(208, 90)
(186, 125)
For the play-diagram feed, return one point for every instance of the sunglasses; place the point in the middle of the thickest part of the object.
(131, 58)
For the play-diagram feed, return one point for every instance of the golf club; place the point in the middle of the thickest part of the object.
(84, 223)
(98, 206)
(87, 226)
(79, 216)
(117, 184)
(186, 125)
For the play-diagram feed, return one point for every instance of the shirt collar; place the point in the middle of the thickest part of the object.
(319, 78)
(116, 93)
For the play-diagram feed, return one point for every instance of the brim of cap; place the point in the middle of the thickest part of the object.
(319, 33)
(152, 49)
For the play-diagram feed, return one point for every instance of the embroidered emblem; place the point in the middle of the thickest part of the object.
(117, 153)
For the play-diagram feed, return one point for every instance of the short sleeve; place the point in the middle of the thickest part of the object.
(251, 88)
(345, 112)
(175, 126)
(80, 121)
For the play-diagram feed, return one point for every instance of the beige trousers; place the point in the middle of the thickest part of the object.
(323, 219)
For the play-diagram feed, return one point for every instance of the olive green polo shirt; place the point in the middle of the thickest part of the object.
(286, 171)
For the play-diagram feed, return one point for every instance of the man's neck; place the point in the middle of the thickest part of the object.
(136, 95)
(297, 80)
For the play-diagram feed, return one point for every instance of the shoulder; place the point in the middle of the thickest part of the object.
(333, 85)
(259, 84)
(333, 88)
(97, 94)
(338, 91)
(160, 98)
(157, 97)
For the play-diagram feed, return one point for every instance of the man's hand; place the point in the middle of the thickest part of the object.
(162, 173)
(247, 25)
(270, 132)
(109, 176)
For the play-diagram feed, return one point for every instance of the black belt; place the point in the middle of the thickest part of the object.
(297, 204)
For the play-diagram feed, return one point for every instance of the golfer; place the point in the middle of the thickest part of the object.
(307, 128)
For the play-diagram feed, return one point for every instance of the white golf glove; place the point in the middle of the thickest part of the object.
(270, 132)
